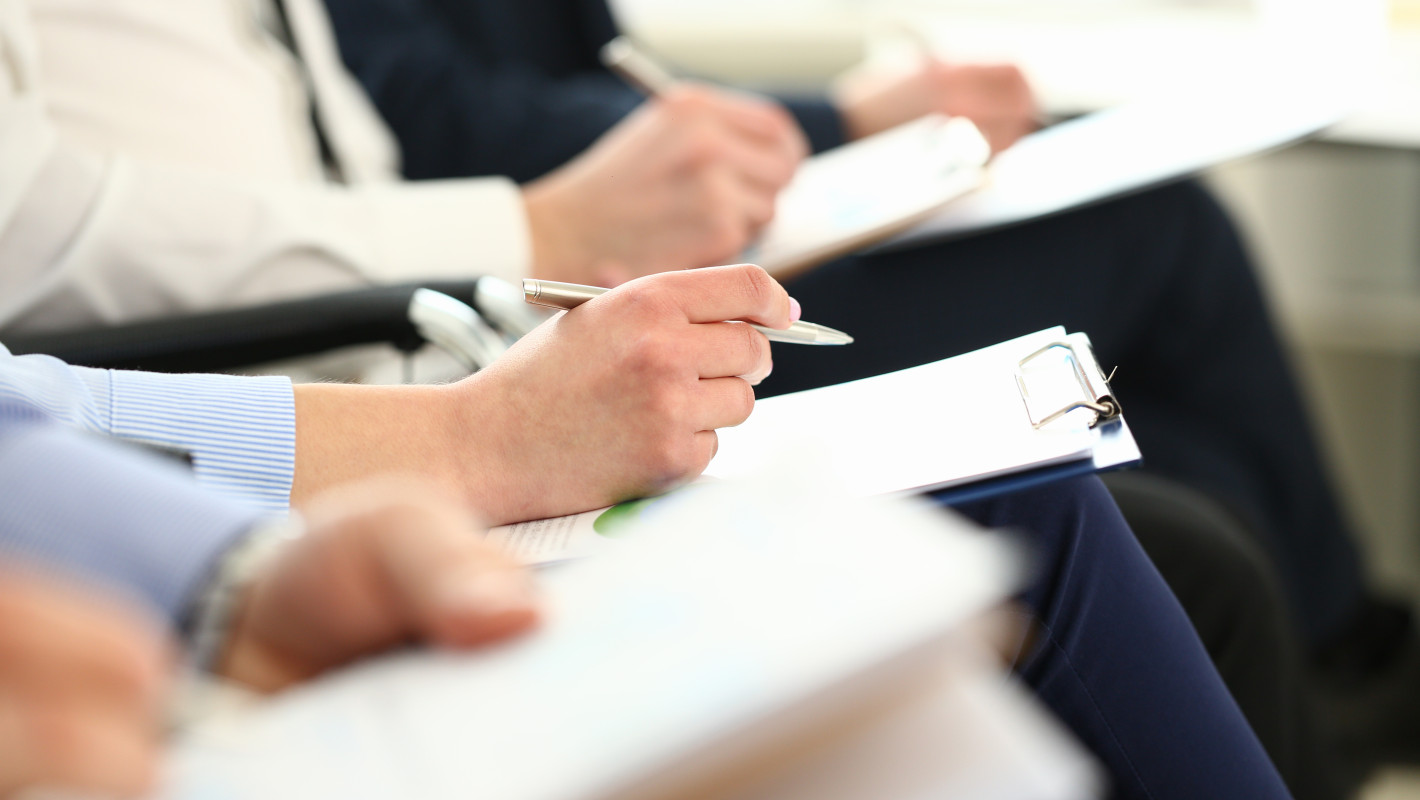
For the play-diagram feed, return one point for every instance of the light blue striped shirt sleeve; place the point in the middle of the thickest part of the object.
(84, 507)
(239, 430)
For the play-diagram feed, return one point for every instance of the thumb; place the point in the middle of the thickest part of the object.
(458, 590)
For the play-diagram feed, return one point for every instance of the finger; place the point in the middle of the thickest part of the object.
(767, 165)
(722, 218)
(754, 115)
(756, 203)
(707, 444)
(721, 403)
(731, 349)
(714, 294)
(458, 589)
(79, 748)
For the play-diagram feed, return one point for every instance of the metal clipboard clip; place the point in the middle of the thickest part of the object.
(1089, 381)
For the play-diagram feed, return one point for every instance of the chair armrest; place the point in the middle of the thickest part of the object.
(225, 340)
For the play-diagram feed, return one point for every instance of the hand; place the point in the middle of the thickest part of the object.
(82, 679)
(996, 97)
(621, 396)
(686, 181)
(383, 563)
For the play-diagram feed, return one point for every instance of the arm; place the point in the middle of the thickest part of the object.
(84, 684)
(88, 236)
(238, 430)
(478, 88)
(118, 518)
(454, 112)
(619, 398)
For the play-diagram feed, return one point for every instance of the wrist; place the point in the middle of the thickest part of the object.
(481, 463)
(213, 619)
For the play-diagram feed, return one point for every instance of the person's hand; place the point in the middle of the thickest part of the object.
(621, 396)
(82, 681)
(686, 181)
(382, 563)
(996, 97)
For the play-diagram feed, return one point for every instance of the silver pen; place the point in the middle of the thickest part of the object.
(554, 294)
(635, 67)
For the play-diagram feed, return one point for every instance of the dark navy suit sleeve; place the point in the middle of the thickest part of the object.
(480, 87)
(820, 120)
(455, 109)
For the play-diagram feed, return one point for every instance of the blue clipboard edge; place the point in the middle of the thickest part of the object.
(1114, 449)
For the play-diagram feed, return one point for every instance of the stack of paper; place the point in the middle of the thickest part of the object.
(743, 625)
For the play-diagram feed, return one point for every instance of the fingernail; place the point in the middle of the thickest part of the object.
(795, 311)
(487, 593)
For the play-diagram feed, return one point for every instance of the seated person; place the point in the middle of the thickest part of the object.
(132, 194)
(1160, 281)
(87, 675)
(127, 197)
(1113, 656)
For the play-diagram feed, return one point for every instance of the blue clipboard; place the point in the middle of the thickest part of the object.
(1114, 449)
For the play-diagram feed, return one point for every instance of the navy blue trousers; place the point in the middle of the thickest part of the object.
(1116, 659)
(1167, 294)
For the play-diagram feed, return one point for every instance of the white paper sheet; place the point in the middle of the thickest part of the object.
(954, 421)
(862, 192)
(712, 633)
(949, 423)
(1114, 152)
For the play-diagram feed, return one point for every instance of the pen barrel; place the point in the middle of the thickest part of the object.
(555, 294)
(788, 336)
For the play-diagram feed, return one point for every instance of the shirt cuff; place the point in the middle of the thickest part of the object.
(239, 430)
(449, 229)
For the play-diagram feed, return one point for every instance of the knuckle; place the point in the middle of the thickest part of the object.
(742, 402)
(762, 212)
(703, 148)
(640, 301)
(757, 287)
(647, 356)
(669, 459)
(754, 343)
(665, 407)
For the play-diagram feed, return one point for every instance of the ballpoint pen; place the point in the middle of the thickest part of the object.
(570, 295)
(636, 68)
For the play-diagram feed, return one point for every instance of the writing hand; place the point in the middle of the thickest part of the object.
(685, 181)
(995, 97)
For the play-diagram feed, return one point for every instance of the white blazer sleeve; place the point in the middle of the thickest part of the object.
(88, 236)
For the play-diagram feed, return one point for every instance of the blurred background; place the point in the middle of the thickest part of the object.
(1334, 223)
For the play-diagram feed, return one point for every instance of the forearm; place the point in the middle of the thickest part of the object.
(83, 506)
(346, 433)
(238, 430)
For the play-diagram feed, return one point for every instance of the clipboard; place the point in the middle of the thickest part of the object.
(1113, 445)
(1119, 151)
(1023, 413)
(864, 192)
(1031, 403)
